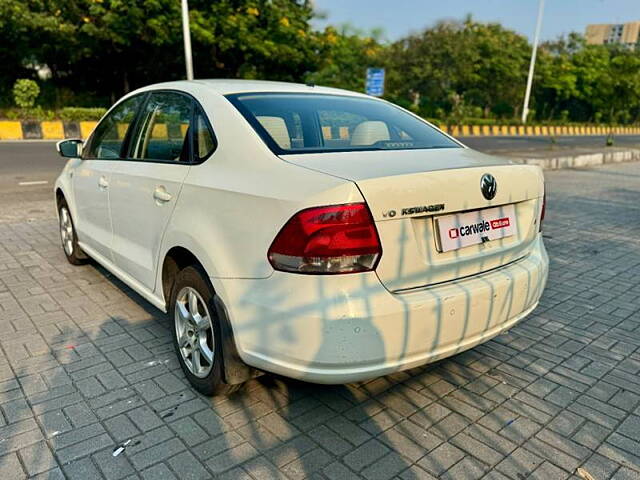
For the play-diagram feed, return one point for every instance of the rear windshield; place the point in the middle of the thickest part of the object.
(313, 123)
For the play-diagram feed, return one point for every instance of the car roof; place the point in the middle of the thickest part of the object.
(231, 86)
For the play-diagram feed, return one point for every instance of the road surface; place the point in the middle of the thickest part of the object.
(27, 173)
(521, 144)
(29, 168)
(86, 366)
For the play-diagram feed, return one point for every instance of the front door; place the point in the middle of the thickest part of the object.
(93, 223)
(92, 178)
(145, 187)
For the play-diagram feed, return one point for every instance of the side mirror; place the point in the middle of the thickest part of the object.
(71, 148)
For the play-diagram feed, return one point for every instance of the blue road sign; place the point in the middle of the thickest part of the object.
(375, 82)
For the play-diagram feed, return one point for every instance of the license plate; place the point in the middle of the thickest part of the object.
(471, 228)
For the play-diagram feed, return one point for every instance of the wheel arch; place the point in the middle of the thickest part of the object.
(176, 258)
(60, 196)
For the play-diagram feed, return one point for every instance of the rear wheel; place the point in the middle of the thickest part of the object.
(68, 236)
(196, 332)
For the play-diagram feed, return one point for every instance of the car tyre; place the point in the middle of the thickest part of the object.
(68, 236)
(197, 336)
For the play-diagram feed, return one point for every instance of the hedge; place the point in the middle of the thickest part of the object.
(67, 114)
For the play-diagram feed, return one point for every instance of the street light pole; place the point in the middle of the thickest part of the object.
(532, 65)
(186, 34)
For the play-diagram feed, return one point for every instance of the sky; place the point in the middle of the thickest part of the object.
(400, 17)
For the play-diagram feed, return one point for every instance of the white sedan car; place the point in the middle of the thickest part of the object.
(310, 232)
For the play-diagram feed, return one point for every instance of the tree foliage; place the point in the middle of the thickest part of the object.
(588, 82)
(96, 50)
(345, 57)
(108, 47)
(459, 63)
(25, 92)
(458, 70)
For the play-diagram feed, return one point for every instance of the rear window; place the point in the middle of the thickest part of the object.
(313, 123)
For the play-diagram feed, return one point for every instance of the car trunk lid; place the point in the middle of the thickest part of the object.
(413, 193)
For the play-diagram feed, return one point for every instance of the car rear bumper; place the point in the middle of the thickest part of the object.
(344, 328)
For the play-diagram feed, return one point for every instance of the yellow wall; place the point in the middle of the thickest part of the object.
(86, 128)
(52, 130)
(10, 131)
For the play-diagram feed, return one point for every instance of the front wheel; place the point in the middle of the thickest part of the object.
(68, 236)
(196, 332)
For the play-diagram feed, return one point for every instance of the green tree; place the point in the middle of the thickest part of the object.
(624, 86)
(254, 39)
(346, 55)
(555, 83)
(482, 64)
(108, 47)
(500, 60)
(25, 92)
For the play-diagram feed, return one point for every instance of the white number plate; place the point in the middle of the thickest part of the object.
(463, 229)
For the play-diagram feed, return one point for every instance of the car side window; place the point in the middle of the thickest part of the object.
(204, 140)
(163, 132)
(110, 134)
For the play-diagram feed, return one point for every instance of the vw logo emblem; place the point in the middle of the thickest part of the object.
(488, 186)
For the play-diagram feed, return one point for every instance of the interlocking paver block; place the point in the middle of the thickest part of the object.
(37, 458)
(113, 468)
(398, 442)
(159, 452)
(231, 458)
(20, 440)
(188, 467)
(365, 454)
(90, 387)
(625, 474)
(519, 464)
(80, 415)
(278, 426)
(600, 467)
(387, 467)
(441, 459)
(87, 447)
(465, 468)
(145, 418)
(87, 364)
(631, 427)
(158, 472)
(307, 464)
(81, 470)
(121, 428)
(10, 467)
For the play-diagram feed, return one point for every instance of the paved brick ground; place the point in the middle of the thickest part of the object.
(86, 365)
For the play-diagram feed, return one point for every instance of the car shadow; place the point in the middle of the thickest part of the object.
(407, 423)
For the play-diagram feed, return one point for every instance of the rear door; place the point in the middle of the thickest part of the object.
(145, 187)
(92, 178)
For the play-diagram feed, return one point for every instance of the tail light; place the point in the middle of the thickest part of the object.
(327, 240)
(544, 207)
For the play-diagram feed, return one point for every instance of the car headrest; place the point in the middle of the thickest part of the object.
(277, 128)
(370, 132)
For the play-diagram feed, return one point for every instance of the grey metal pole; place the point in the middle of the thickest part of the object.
(532, 65)
(186, 33)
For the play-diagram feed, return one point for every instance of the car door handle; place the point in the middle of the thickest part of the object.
(103, 184)
(161, 194)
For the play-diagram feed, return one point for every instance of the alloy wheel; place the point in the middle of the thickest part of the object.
(66, 231)
(194, 332)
